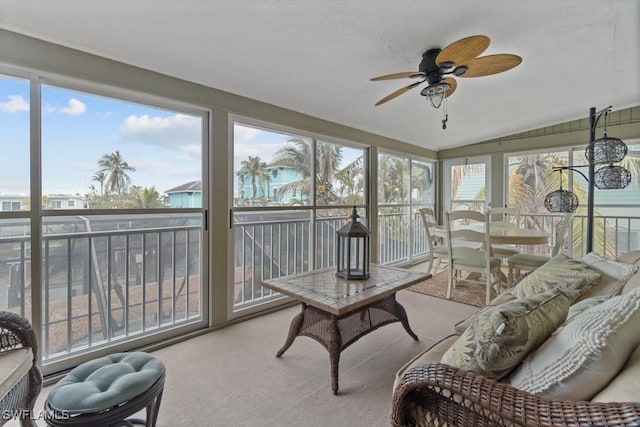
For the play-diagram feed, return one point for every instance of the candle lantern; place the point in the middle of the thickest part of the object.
(352, 250)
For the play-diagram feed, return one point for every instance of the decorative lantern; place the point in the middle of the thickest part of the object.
(561, 201)
(612, 177)
(352, 250)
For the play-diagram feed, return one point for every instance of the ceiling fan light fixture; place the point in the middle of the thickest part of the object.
(435, 93)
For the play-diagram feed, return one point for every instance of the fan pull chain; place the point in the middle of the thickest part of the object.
(445, 116)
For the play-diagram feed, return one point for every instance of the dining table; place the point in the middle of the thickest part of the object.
(503, 234)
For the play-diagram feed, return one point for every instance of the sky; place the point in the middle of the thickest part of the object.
(78, 129)
(163, 146)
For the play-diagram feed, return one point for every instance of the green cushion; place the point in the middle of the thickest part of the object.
(477, 262)
(441, 250)
(560, 272)
(532, 261)
(504, 251)
(105, 382)
(501, 336)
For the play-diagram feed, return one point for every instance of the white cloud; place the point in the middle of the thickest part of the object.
(15, 104)
(74, 108)
(244, 134)
(178, 131)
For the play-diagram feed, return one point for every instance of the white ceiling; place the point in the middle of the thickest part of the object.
(316, 57)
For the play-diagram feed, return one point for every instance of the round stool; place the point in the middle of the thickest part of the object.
(105, 391)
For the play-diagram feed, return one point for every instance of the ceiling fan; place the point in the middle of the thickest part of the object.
(439, 66)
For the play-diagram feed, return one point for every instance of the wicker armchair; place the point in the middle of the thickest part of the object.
(440, 395)
(16, 333)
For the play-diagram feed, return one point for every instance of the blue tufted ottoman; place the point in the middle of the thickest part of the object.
(105, 391)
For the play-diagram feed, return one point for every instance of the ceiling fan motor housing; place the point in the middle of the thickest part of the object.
(429, 67)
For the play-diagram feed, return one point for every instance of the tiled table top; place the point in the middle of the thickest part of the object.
(322, 289)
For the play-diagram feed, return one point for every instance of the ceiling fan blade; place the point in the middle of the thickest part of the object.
(453, 83)
(491, 64)
(397, 93)
(411, 74)
(463, 50)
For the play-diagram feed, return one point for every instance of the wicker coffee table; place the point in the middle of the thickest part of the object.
(337, 312)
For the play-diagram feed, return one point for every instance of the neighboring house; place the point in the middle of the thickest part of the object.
(188, 195)
(278, 176)
(66, 201)
(11, 202)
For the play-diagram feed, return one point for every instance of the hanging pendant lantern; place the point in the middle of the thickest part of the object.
(561, 200)
(612, 177)
(352, 250)
(606, 150)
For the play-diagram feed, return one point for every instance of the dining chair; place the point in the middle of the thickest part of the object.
(471, 259)
(529, 262)
(437, 250)
(505, 217)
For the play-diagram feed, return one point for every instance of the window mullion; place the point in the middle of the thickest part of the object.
(35, 176)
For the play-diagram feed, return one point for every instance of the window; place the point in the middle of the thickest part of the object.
(10, 206)
(124, 264)
(404, 186)
(616, 225)
(291, 194)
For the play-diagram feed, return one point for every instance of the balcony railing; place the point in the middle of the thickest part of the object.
(267, 249)
(106, 280)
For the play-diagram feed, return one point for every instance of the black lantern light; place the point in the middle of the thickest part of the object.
(352, 250)
(598, 152)
(612, 177)
(561, 201)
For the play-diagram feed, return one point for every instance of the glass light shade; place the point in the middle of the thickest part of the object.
(606, 150)
(561, 201)
(435, 93)
(612, 177)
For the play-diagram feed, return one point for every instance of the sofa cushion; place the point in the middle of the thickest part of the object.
(615, 269)
(615, 275)
(501, 336)
(580, 307)
(584, 355)
(462, 325)
(14, 364)
(568, 274)
(432, 354)
(625, 387)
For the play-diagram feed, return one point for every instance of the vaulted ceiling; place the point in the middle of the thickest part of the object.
(317, 57)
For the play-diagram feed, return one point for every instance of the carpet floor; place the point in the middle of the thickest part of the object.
(231, 377)
(464, 292)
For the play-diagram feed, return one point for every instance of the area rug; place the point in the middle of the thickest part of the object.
(464, 292)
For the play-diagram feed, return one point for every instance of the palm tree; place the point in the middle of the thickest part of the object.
(392, 177)
(296, 154)
(144, 198)
(117, 168)
(351, 182)
(100, 177)
(256, 169)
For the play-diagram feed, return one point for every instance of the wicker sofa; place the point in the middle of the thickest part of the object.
(430, 393)
(20, 376)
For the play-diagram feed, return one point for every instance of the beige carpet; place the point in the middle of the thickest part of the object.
(465, 292)
(231, 377)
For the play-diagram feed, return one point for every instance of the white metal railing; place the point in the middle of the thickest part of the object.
(613, 235)
(271, 248)
(103, 286)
